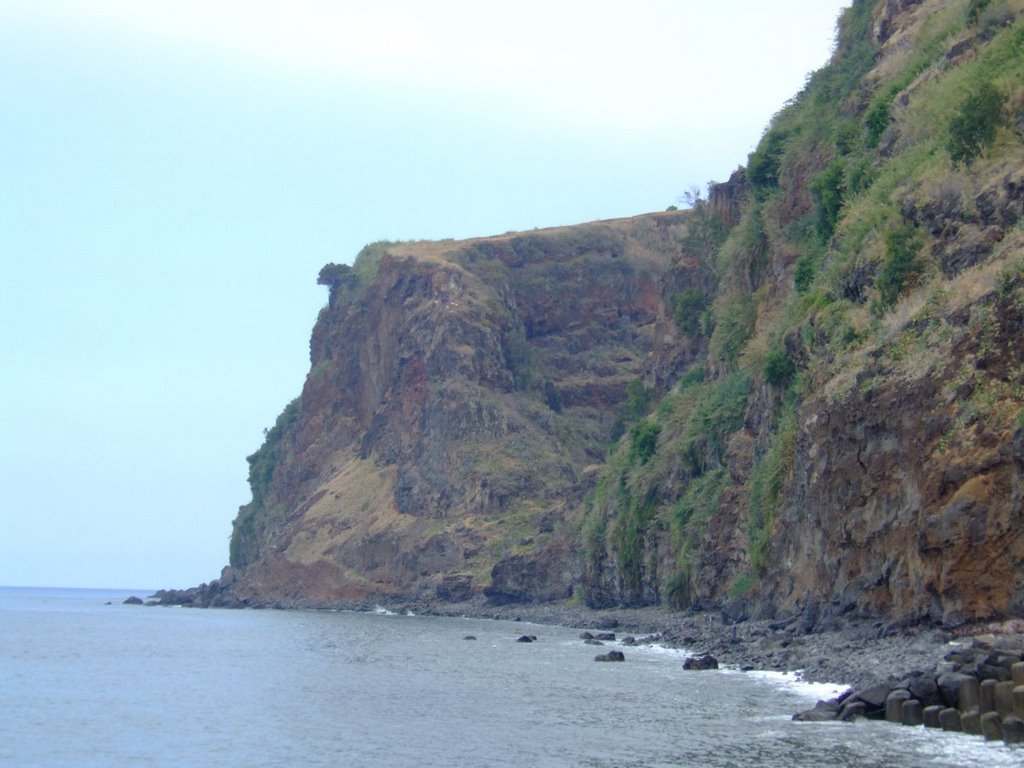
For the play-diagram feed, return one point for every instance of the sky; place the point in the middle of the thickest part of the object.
(174, 174)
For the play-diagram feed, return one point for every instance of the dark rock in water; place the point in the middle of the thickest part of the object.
(873, 697)
(1013, 730)
(586, 636)
(987, 696)
(592, 641)
(707, 661)
(469, 637)
(894, 705)
(610, 656)
(970, 722)
(949, 719)
(851, 710)
(527, 639)
(606, 636)
(133, 600)
(930, 716)
(822, 711)
(913, 712)
(992, 726)
(629, 640)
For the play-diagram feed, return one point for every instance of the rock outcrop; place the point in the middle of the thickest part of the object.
(802, 400)
(458, 394)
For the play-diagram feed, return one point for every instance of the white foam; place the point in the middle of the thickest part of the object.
(792, 681)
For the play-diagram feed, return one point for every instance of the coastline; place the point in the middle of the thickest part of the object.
(856, 654)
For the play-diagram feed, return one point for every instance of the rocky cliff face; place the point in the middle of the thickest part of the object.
(855, 446)
(805, 396)
(457, 396)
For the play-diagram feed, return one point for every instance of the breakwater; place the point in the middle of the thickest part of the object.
(978, 688)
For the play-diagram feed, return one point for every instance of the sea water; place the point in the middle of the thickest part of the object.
(88, 681)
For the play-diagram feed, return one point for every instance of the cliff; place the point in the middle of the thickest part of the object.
(804, 396)
(460, 397)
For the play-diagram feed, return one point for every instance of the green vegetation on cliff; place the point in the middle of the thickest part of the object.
(859, 217)
(804, 394)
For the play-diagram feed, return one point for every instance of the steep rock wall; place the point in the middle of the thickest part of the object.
(455, 399)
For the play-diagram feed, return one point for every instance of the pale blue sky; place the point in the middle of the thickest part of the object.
(174, 174)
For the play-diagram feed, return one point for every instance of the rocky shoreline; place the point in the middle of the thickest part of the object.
(904, 673)
(856, 653)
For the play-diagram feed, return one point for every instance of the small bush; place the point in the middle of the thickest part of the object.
(973, 128)
(804, 272)
(878, 117)
(778, 367)
(638, 400)
(689, 307)
(899, 265)
(643, 438)
(734, 322)
(763, 163)
(828, 188)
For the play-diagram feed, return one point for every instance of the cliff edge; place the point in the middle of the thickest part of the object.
(802, 397)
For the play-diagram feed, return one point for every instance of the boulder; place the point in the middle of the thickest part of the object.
(987, 698)
(970, 722)
(969, 696)
(592, 641)
(894, 705)
(527, 639)
(873, 697)
(851, 710)
(1013, 730)
(586, 636)
(1004, 698)
(133, 600)
(1017, 672)
(823, 711)
(924, 689)
(949, 688)
(949, 719)
(930, 715)
(992, 726)
(607, 636)
(707, 661)
(913, 712)
(469, 637)
(610, 656)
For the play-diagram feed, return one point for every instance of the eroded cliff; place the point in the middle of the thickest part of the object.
(458, 397)
(804, 396)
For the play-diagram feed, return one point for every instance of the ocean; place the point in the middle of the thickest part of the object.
(88, 681)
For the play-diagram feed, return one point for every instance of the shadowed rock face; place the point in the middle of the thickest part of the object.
(454, 402)
(902, 503)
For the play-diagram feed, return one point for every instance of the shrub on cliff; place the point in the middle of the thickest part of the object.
(643, 441)
(899, 266)
(689, 307)
(974, 126)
